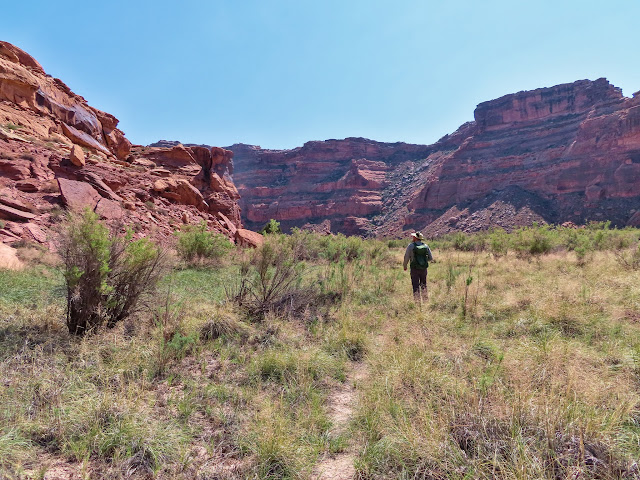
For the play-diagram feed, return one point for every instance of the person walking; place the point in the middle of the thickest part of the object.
(418, 255)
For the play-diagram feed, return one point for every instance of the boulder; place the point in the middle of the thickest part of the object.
(143, 162)
(248, 238)
(83, 138)
(36, 232)
(109, 209)
(9, 258)
(10, 213)
(28, 186)
(78, 195)
(77, 156)
(180, 191)
(96, 182)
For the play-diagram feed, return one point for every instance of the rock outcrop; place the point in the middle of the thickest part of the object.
(565, 153)
(57, 152)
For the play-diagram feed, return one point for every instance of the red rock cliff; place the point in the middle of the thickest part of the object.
(574, 146)
(342, 181)
(565, 153)
(56, 151)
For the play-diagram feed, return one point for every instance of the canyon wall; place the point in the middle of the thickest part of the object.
(564, 153)
(340, 181)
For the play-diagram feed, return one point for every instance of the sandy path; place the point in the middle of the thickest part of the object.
(341, 404)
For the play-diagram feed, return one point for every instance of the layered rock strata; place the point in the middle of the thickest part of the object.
(335, 180)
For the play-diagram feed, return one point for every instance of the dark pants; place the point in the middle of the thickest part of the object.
(419, 280)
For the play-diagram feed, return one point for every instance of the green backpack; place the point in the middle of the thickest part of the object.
(420, 255)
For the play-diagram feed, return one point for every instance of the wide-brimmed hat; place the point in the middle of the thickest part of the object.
(418, 235)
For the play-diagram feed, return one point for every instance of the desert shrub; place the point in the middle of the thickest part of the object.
(222, 325)
(498, 242)
(305, 245)
(629, 259)
(302, 244)
(463, 242)
(274, 280)
(397, 243)
(271, 274)
(27, 156)
(106, 277)
(532, 241)
(196, 243)
(271, 227)
(338, 247)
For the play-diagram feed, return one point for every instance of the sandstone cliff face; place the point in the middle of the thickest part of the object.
(565, 153)
(335, 180)
(574, 146)
(57, 152)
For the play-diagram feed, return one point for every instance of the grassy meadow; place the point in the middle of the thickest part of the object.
(522, 362)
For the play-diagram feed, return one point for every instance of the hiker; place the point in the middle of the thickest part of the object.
(418, 255)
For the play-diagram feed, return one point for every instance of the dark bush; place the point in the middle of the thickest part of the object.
(106, 276)
(274, 281)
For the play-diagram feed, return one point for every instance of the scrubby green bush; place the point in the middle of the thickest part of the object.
(196, 243)
(498, 242)
(272, 274)
(533, 240)
(271, 226)
(106, 276)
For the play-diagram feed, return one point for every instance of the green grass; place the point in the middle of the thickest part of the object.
(528, 370)
(33, 286)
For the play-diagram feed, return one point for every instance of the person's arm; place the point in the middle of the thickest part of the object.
(407, 255)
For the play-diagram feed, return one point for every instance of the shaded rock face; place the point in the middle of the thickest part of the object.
(57, 152)
(210, 187)
(565, 153)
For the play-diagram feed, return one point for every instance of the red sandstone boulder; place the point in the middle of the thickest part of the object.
(9, 258)
(109, 209)
(77, 156)
(248, 238)
(78, 195)
(180, 191)
(171, 158)
(10, 213)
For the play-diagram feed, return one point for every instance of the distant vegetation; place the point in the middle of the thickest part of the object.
(196, 244)
(523, 362)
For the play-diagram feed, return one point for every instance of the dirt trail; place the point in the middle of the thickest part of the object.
(341, 405)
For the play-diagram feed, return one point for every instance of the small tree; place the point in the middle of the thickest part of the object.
(106, 276)
(271, 226)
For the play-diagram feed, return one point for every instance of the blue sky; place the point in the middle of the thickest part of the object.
(277, 73)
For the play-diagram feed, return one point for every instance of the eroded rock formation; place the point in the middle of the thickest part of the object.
(57, 152)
